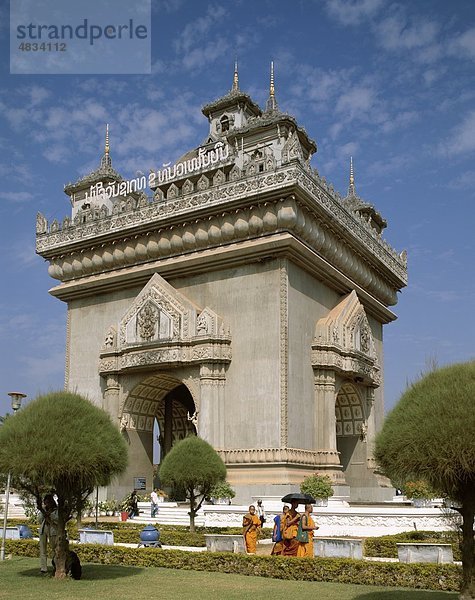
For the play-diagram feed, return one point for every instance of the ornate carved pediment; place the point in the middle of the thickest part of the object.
(344, 341)
(163, 327)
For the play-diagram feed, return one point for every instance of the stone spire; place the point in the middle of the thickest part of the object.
(271, 102)
(106, 159)
(235, 87)
(351, 187)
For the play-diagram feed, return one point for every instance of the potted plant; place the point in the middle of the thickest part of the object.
(318, 486)
(222, 493)
(162, 495)
(419, 492)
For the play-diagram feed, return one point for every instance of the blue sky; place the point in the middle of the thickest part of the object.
(390, 83)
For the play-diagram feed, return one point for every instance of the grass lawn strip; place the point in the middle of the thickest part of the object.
(20, 578)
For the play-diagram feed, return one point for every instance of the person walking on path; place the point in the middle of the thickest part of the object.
(305, 550)
(251, 526)
(290, 528)
(261, 513)
(277, 532)
(154, 501)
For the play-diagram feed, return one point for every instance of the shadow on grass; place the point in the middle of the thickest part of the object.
(407, 595)
(92, 572)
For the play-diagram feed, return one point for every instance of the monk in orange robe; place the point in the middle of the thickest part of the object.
(251, 526)
(309, 525)
(291, 525)
(277, 533)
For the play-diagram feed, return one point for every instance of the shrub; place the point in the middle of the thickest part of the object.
(222, 489)
(421, 576)
(418, 489)
(318, 486)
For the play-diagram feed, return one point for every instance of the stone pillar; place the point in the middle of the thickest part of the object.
(211, 417)
(111, 397)
(325, 424)
(370, 425)
(168, 426)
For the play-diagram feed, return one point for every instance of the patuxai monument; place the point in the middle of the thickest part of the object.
(234, 294)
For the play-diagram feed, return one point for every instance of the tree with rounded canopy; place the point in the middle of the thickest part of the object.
(193, 465)
(63, 442)
(430, 435)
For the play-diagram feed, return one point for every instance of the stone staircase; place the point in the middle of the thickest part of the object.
(169, 513)
(15, 506)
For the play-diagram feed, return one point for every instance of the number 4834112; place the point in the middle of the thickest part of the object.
(43, 47)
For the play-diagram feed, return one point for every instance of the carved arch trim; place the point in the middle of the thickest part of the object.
(344, 342)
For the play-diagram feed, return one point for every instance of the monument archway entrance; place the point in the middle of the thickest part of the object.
(163, 398)
(351, 430)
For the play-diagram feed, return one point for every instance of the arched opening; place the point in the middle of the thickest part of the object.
(350, 427)
(157, 413)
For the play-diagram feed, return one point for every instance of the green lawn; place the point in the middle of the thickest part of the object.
(20, 578)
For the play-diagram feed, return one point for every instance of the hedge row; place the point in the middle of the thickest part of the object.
(420, 576)
(385, 546)
(170, 535)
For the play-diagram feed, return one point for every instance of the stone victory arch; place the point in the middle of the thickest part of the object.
(244, 301)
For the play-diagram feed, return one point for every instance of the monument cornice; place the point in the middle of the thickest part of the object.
(95, 228)
(269, 247)
(250, 224)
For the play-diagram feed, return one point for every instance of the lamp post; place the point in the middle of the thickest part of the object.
(16, 398)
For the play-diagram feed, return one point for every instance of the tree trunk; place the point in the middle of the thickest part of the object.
(192, 512)
(468, 550)
(62, 546)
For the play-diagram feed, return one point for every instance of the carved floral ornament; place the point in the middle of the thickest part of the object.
(162, 327)
(344, 342)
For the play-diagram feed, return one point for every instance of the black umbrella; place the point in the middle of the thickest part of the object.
(300, 498)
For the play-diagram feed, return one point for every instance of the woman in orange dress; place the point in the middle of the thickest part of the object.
(251, 526)
(291, 525)
(305, 550)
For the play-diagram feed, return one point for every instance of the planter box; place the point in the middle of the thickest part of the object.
(96, 536)
(225, 543)
(425, 553)
(11, 533)
(338, 547)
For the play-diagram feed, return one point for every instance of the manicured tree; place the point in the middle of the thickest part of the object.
(61, 440)
(195, 466)
(430, 435)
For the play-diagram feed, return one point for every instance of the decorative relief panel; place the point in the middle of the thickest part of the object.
(162, 327)
(344, 341)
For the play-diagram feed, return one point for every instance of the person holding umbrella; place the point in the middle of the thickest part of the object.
(251, 525)
(291, 523)
(290, 528)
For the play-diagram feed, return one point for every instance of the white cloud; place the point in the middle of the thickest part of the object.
(462, 138)
(195, 32)
(395, 33)
(16, 197)
(463, 45)
(464, 181)
(353, 12)
(357, 101)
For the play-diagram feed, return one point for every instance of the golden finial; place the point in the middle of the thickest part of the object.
(271, 101)
(235, 87)
(272, 88)
(351, 188)
(107, 148)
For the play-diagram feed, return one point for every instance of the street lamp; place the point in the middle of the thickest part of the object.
(16, 398)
